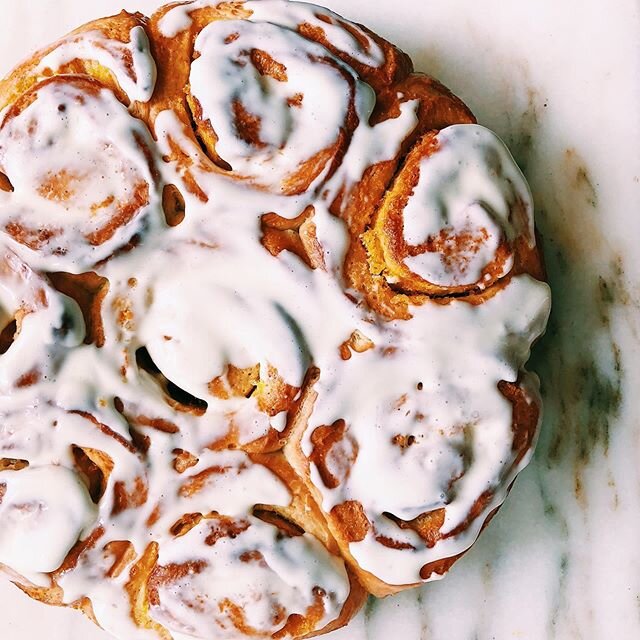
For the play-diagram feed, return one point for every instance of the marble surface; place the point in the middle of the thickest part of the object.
(560, 82)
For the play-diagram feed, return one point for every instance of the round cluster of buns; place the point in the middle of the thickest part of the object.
(266, 297)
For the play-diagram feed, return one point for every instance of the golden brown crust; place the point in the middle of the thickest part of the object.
(88, 290)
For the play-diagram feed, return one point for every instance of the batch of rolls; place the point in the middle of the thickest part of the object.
(266, 298)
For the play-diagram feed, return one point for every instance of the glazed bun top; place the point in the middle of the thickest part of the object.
(267, 295)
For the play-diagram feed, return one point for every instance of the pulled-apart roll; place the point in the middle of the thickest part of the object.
(266, 298)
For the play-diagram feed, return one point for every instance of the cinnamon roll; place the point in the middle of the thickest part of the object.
(455, 217)
(266, 299)
(79, 179)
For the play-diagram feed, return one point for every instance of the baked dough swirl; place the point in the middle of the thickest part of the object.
(266, 298)
(77, 165)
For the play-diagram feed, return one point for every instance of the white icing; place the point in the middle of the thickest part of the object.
(137, 80)
(206, 294)
(43, 512)
(460, 421)
(371, 145)
(256, 586)
(289, 135)
(289, 15)
(65, 140)
(471, 185)
(178, 18)
(293, 14)
(46, 323)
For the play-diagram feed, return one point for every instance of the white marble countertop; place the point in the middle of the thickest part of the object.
(560, 82)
